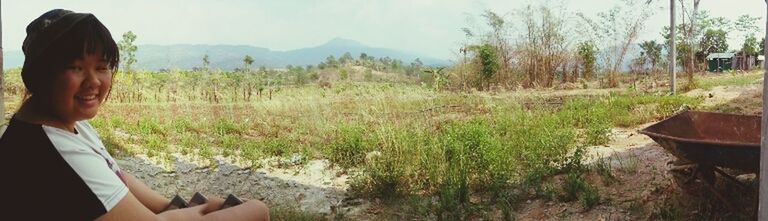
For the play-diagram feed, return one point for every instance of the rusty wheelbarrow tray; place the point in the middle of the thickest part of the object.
(704, 142)
(713, 139)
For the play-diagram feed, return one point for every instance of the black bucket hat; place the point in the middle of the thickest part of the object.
(44, 31)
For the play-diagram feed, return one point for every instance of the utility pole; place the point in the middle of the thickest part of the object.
(672, 49)
(762, 209)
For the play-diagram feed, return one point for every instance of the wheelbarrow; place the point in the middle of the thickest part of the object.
(705, 142)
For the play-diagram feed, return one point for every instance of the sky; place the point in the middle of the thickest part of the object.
(427, 27)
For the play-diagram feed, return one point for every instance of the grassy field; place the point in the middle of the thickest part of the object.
(399, 141)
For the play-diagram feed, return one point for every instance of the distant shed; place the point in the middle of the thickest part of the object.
(718, 62)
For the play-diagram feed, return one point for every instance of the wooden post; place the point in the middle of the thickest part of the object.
(762, 209)
(672, 49)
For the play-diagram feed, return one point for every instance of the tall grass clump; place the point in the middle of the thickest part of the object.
(349, 146)
(467, 150)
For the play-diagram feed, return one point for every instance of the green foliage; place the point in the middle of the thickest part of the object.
(277, 147)
(343, 74)
(206, 62)
(575, 188)
(383, 178)
(572, 187)
(127, 50)
(346, 58)
(604, 168)
(148, 126)
(330, 62)
(714, 41)
(587, 52)
(349, 147)
(293, 214)
(729, 80)
(651, 52)
(223, 127)
(750, 46)
(486, 57)
(747, 24)
(590, 197)
(247, 61)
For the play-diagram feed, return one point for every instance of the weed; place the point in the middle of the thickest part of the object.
(148, 126)
(381, 180)
(604, 168)
(230, 144)
(286, 213)
(349, 147)
(629, 163)
(276, 146)
(223, 127)
(573, 185)
(667, 210)
(182, 125)
(590, 197)
(155, 143)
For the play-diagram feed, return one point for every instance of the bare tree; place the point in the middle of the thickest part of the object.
(692, 36)
(543, 45)
(617, 29)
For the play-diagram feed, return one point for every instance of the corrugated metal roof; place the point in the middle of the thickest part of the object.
(719, 55)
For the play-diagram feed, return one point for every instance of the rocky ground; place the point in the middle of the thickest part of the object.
(313, 187)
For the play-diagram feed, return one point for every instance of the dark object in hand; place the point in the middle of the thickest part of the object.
(231, 201)
(177, 203)
(198, 199)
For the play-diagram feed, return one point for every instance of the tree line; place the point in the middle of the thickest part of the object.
(542, 44)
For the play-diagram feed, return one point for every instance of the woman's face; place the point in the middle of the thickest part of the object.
(80, 90)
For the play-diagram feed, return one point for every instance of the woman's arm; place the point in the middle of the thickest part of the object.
(153, 202)
(129, 208)
(148, 197)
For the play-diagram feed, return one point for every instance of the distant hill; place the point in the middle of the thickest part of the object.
(229, 57)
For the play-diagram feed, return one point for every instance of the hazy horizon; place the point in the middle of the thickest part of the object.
(428, 27)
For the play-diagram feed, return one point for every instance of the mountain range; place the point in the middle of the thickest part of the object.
(230, 57)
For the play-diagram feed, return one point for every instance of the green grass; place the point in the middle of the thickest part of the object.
(729, 79)
(286, 213)
(398, 141)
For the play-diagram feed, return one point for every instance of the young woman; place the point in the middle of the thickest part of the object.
(54, 165)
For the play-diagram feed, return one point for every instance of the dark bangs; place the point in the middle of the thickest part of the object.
(87, 37)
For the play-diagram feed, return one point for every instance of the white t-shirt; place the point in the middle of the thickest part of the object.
(49, 172)
(87, 155)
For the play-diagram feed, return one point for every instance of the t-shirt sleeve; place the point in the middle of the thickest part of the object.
(93, 169)
(102, 181)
